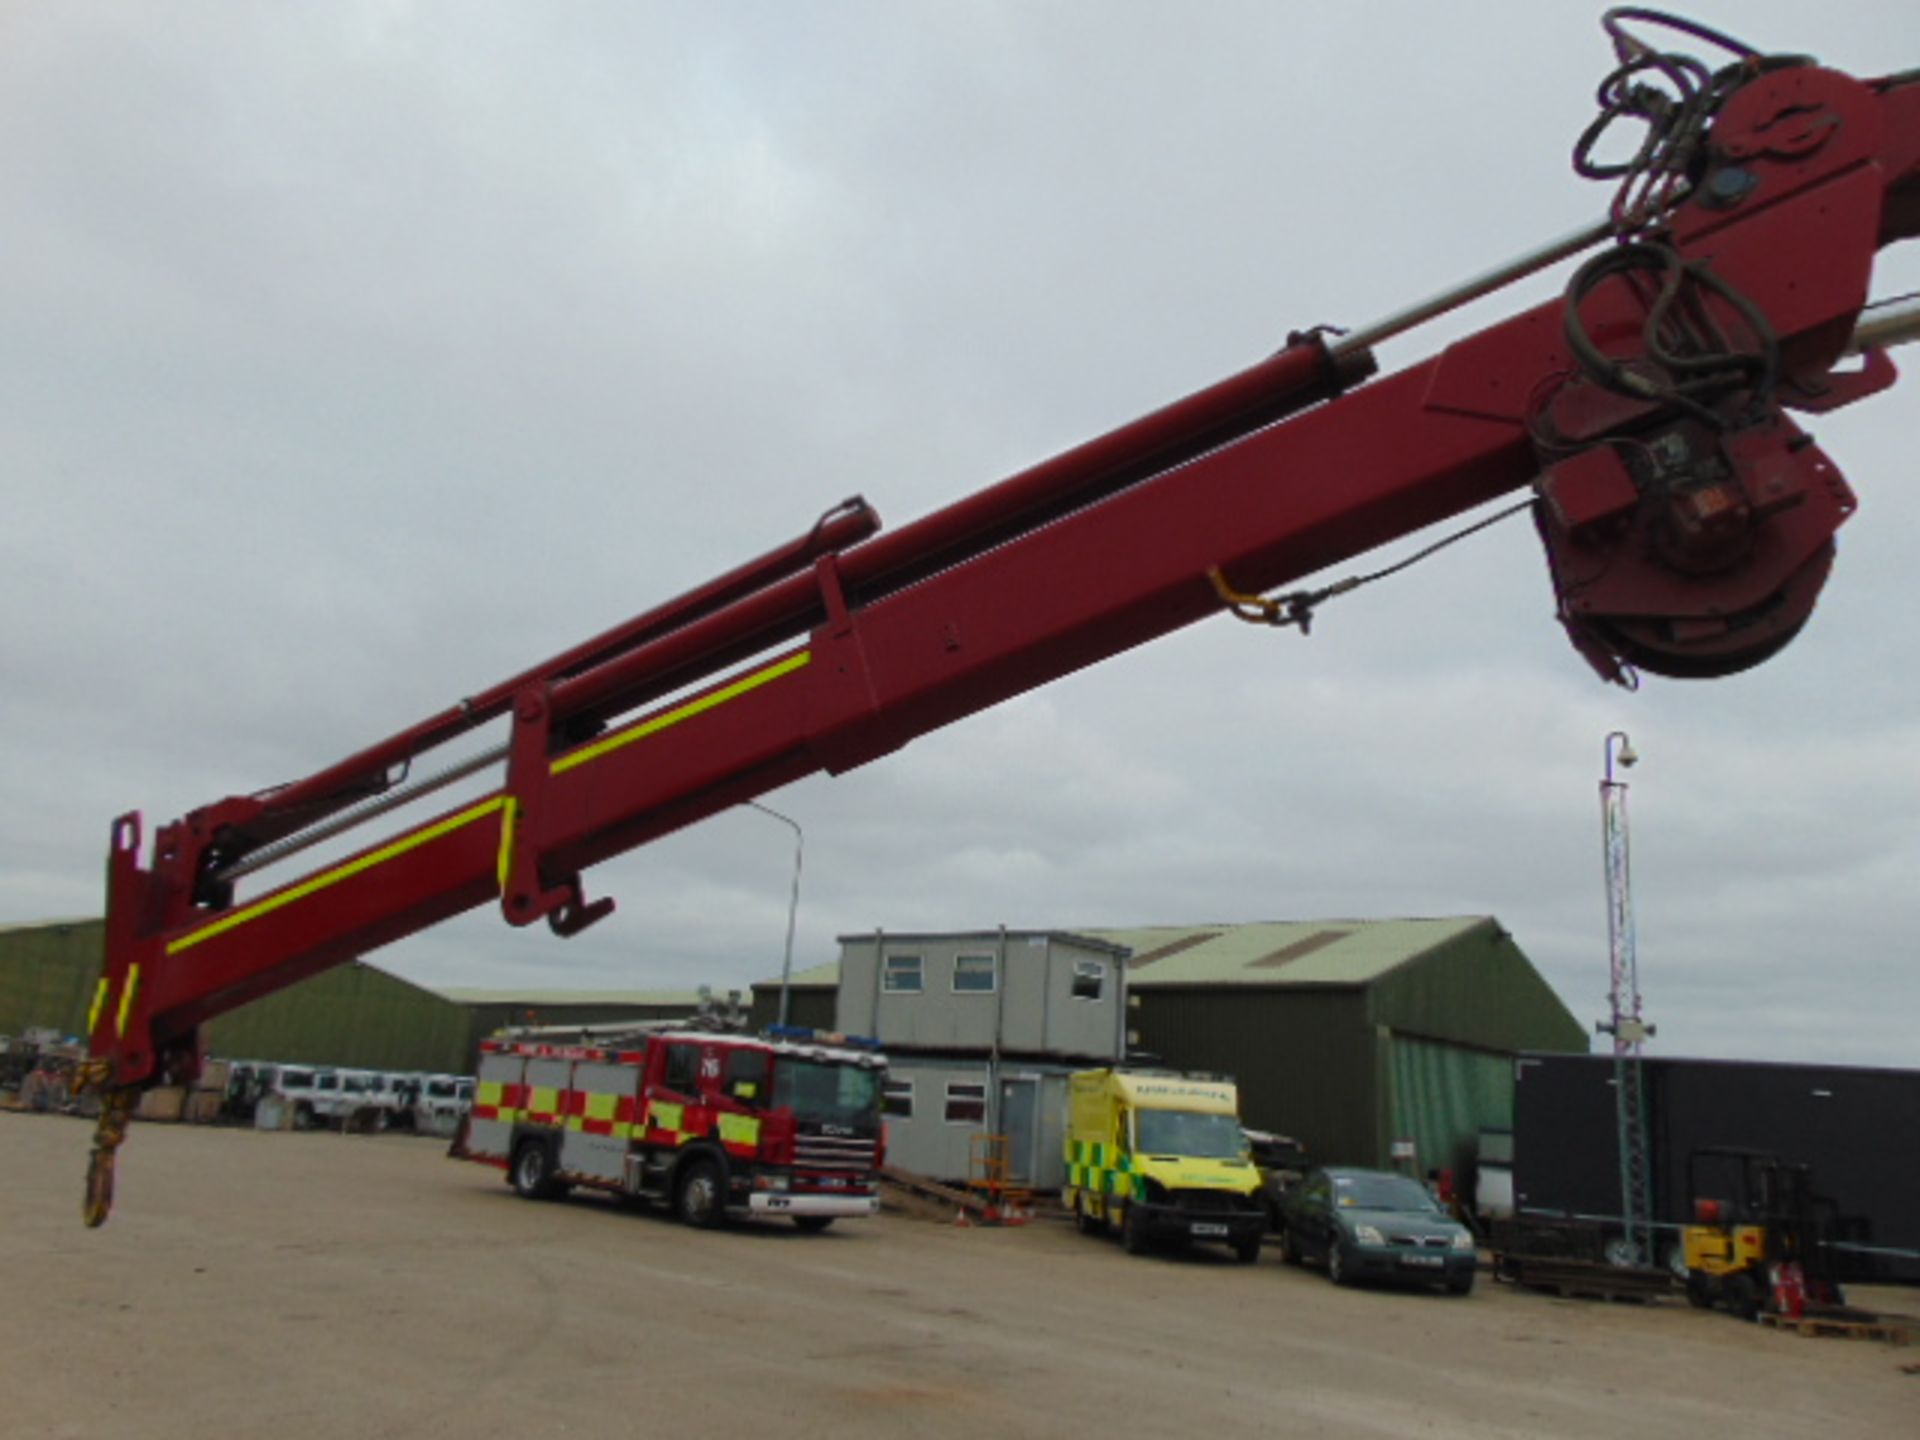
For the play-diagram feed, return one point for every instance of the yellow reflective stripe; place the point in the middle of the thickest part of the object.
(669, 718)
(739, 1129)
(509, 1117)
(488, 1092)
(126, 999)
(576, 1122)
(602, 1107)
(665, 1117)
(510, 811)
(99, 1004)
(543, 1100)
(337, 874)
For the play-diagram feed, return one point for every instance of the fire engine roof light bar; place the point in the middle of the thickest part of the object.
(1485, 283)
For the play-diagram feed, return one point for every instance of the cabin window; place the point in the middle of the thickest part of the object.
(966, 1103)
(897, 1099)
(973, 974)
(1089, 979)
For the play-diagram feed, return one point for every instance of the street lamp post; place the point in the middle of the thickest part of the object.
(793, 901)
(1624, 1023)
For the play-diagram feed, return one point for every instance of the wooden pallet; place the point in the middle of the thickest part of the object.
(1895, 1330)
(1583, 1279)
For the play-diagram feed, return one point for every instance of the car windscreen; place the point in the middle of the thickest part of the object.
(827, 1094)
(1380, 1192)
(1180, 1132)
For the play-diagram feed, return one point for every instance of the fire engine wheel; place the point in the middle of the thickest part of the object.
(533, 1172)
(812, 1224)
(700, 1198)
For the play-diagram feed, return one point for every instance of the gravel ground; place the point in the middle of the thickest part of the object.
(295, 1285)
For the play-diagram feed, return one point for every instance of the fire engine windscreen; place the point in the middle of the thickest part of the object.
(1178, 1132)
(823, 1094)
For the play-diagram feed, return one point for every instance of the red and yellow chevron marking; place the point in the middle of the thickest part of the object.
(739, 1134)
(592, 1113)
(543, 1105)
(494, 1100)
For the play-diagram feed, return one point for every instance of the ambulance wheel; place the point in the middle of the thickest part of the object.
(1247, 1252)
(533, 1172)
(1085, 1223)
(1133, 1231)
(700, 1197)
(812, 1224)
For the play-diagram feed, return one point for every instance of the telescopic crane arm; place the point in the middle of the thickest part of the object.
(1688, 524)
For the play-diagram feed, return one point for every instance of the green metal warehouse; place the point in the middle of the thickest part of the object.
(354, 1015)
(1353, 1036)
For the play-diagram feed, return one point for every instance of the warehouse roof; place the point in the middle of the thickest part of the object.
(1262, 953)
(1281, 952)
(474, 995)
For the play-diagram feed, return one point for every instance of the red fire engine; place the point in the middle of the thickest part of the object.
(1688, 524)
(714, 1125)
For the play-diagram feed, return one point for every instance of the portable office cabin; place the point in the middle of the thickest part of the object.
(981, 1031)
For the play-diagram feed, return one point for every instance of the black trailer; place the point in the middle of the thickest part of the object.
(1854, 1128)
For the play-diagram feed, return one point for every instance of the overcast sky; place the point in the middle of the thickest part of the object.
(357, 355)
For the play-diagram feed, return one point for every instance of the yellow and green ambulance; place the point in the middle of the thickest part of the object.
(1160, 1156)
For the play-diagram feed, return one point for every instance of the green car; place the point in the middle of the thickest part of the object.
(1375, 1225)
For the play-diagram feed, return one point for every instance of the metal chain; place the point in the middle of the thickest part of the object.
(116, 1111)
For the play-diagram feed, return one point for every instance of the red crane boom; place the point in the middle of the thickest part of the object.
(1688, 525)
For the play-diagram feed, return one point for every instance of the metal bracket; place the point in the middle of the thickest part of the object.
(524, 819)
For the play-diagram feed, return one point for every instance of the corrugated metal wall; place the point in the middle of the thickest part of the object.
(1480, 990)
(1424, 1053)
(47, 975)
(1303, 1058)
(1441, 1096)
(806, 1005)
(350, 1015)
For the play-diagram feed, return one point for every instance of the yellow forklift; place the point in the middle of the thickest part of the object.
(1759, 1241)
